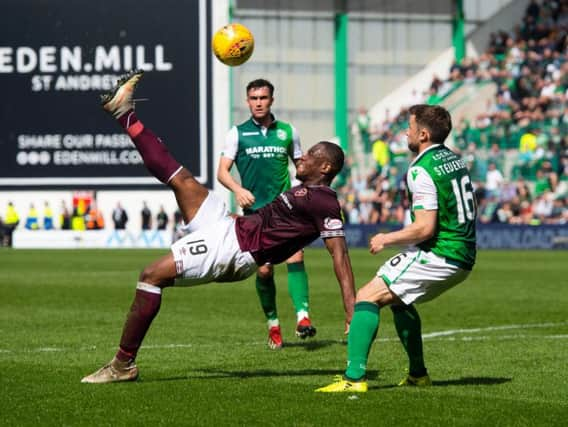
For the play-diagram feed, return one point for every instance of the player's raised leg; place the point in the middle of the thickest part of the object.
(119, 102)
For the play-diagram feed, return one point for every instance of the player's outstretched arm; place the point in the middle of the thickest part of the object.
(244, 197)
(423, 228)
(337, 248)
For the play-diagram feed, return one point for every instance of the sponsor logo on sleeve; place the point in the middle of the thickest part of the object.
(332, 223)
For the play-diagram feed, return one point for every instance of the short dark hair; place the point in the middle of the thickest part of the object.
(258, 83)
(434, 118)
(335, 156)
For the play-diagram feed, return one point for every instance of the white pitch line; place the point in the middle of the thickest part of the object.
(432, 336)
(492, 328)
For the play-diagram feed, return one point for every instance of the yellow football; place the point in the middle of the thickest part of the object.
(233, 44)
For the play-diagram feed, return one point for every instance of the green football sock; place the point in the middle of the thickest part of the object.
(298, 287)
(266, 290)
(362, 333)
(408, 327)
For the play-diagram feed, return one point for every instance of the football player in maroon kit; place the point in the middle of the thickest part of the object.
(221, 248)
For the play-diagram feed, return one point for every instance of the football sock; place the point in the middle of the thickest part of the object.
(298, 288)
(143, 310)
(156, 156)
(408, 327)
(362, 332)
(266, 290)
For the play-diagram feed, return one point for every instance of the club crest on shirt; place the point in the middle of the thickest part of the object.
(332, 223)
(281, 134)
(301, 192)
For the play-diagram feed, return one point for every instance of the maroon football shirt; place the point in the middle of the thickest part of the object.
(292, 221)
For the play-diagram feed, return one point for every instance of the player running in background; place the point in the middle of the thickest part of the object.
(443, 214)
(220, 248)
(260, 148)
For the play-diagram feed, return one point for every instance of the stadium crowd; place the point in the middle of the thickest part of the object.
(517, 149)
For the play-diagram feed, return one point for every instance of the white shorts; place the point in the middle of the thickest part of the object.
(211, 252)
(417, 276)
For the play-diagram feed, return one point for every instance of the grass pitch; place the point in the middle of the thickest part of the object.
(496, 347)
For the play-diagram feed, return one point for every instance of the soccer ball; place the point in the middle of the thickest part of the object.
(233, 44)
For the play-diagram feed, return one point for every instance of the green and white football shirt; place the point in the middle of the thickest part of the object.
(261, 156)
(438, 179)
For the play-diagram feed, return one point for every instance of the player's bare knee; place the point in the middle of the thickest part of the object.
(265, 272)
(298, 257)
(265, 275)
(151, 276)
(376, 291)
(184, 181)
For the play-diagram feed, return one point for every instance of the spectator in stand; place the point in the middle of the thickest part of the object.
(363, 123)
(494, 179)
(380, 154)
(78, 217)
(547, 89)
(94, 218)
(488, 209)
(479, 192)
(456, 72)
(526, 213)
(542, 184)
(47, 217)
(523, 191)
(398, 153)
(366, 209)
(527, 148)
(563, 167)
(11, 221)
(542, 207)
(550, 174)
(119, 217)
(32, 220)
(562, 16)
(508, 191)
(146, 216)
(353, 213)
(497, 156)
(162, 219)
(64, 217)
(516, 211)
(533, 10)
(559, 212)
(505, 213)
